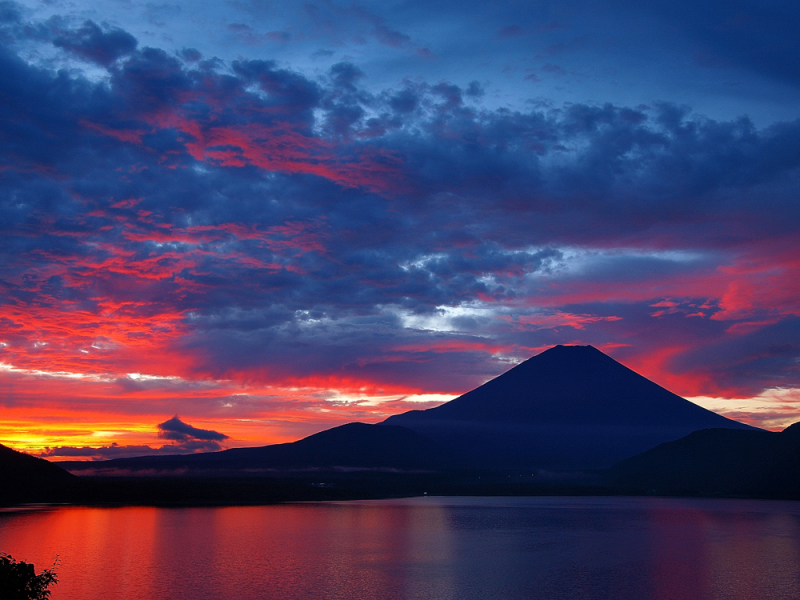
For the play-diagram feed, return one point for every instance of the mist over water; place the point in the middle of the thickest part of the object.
(421, 548)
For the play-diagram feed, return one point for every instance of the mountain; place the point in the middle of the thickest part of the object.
(25, 478)
(717, 462)
(355, 446)
(568, 408)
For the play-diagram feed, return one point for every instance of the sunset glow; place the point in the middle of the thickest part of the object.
(268, 235)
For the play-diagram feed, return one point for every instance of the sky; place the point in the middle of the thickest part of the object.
(238, 223)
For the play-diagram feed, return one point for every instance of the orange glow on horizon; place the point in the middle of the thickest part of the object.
(54, 411)
(107, 371)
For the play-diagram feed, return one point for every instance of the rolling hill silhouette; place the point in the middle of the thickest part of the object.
(25, 478)
(717, 462)
(568, 408)
(354, 446)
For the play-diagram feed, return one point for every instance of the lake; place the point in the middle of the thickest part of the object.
(419, 548)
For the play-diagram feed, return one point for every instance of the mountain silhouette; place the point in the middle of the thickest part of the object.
(25, 478)
(568, 408)
(717, 462)
(354, 446)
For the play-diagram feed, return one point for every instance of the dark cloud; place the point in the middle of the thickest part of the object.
(9, 12)
(284, 88)
(191, 55)
(346, 75)
(176, 430)
(101, 45)
(474, 90)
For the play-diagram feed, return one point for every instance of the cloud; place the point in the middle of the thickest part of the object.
(176, 430)
(100, 45)
(9, 12)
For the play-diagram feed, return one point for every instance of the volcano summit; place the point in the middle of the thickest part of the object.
(570, 407)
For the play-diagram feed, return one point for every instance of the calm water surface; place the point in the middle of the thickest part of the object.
(425, 548)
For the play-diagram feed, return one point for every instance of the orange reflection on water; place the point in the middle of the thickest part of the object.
(431, 548)
(243, 552)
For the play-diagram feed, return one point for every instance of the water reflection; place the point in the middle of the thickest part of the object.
(428, 548)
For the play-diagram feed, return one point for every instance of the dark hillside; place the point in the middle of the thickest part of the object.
(25, 478)
(717, 462)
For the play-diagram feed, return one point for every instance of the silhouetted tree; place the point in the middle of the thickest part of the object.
(18, 580)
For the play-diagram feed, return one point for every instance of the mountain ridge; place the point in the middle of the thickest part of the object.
(349, 446)
(717, 462)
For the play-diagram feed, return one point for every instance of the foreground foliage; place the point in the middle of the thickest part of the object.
(19, 581)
